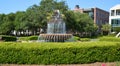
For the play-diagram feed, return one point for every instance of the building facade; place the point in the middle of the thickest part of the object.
(99, 16)
(114, 18)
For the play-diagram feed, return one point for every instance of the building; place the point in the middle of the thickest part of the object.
(114, 18)
(99, 16)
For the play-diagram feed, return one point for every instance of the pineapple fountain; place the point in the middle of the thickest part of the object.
(56, 30)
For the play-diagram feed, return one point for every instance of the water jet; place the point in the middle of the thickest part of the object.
(56, 30)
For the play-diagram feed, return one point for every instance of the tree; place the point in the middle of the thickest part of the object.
(106, 29)
(7, 24)
(38, 14)
(21, 22)
(34, 18)
(79, 22)
(48, 6)
(6, 28)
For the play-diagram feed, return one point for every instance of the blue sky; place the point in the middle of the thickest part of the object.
(8, 6)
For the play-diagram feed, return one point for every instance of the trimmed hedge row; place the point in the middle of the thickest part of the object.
(60, 53)
(84, 39)
(33, 38)
(28, 38)
(81, 39)
(8, 38)
(111, 39)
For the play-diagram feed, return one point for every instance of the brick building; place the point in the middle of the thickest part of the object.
(99, 16)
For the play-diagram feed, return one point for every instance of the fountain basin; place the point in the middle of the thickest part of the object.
(55, 37)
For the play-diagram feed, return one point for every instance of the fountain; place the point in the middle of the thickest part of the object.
(56, 30)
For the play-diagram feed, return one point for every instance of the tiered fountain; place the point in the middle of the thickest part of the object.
(56, 30)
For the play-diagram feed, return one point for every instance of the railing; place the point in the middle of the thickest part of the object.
(115, 25)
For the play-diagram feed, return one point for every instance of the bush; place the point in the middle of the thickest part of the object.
(8, 38)
(84, 39)
(60, 53)
(23, 38)
(81, 39)
(112, 35)
(33, 38)
(76, 38)
(28, 38)
(111, 39)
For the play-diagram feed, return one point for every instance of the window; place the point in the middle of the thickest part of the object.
(112, 12)
(118, 12)
(115, 22)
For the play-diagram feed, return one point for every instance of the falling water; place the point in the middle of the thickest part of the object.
(56, 29)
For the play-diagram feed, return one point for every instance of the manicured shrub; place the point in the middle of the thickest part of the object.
(8, 38)
(111, 39)
(112, 35)
(81, 39)
(33, 38)
(28, 38)
(84, 39)
(76, 38)
(60, 53)
(23, 38)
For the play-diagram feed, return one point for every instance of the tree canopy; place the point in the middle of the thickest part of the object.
(79, 22)
(36, 17)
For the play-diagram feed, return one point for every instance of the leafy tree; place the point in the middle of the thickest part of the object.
(6, 28)
(7, 24)
(38, 14)
(48, 6)
(34, 18)
(106, 28)
(21, 22)
(79, 22)
(1, 18)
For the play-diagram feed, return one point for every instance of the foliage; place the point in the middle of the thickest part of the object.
(105, 29)
(79, 22)
(33, 38)
(76, 38)
(20, 21)
(111, 35)
(8, 38)
(31, 20)
(28, 38)
(116, 29)
(23, 38)
(60, 53)
(84, 39)
(110, 39)
(7, 23)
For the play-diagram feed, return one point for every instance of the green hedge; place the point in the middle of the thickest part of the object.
(8, 38)
(84, 39)
(76, 38)
(28, 38)
(81, 39)
(23, 38)
(33, 38)
(60, 53)
(111, 39)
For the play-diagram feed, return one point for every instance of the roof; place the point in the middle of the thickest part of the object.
(115, 7)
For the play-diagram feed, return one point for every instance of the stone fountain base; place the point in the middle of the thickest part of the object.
(54, 37)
